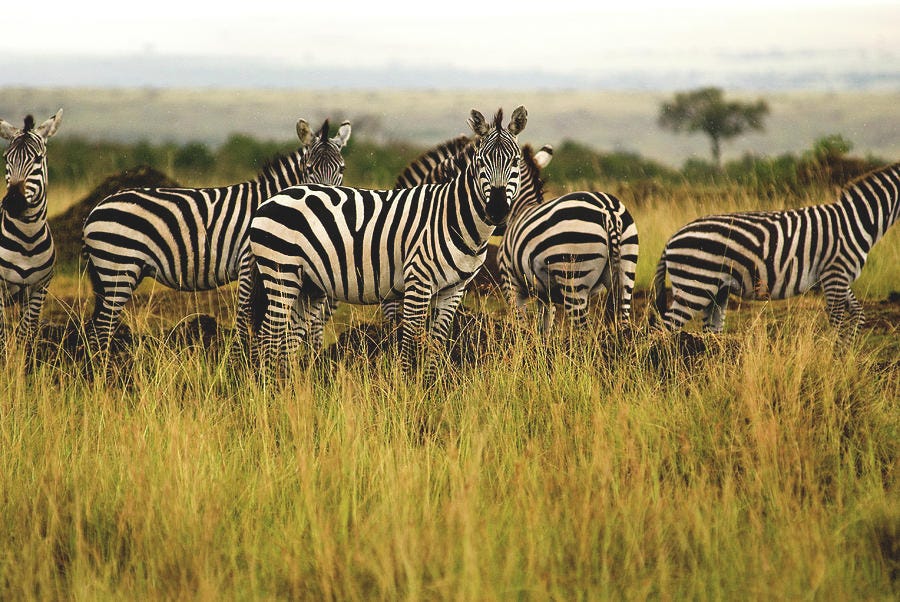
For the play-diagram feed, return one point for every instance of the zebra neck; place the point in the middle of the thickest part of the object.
(280, 173)
(465, 216)
(522, 203)
(874, 203)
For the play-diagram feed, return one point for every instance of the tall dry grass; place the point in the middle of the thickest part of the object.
(765, 468)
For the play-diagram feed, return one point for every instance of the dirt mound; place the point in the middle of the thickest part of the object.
(67, 227)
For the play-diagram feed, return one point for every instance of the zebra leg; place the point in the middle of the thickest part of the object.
(282, 287)
(27, 328)
(836, 300)
(547, 314)
(857, 315)
(3, 319)
(576, 306)
(247, 280)
(678, 314)
(391, 312)
(844, 310)
(308, 322)
(416, 298)
(109, 301)
(714, 317)
(446, 304)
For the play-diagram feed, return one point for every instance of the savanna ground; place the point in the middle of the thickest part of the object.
(758, 464)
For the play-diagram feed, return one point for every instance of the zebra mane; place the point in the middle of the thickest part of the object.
(273, 166)
(29, 123)
(452, 166)
(429, 161)
(323, 132)
(531, 166)
(869, 174)
(498, 119)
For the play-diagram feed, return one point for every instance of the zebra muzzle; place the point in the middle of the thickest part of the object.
(497, 208)
(15, 203)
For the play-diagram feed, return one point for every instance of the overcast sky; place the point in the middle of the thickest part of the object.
(553, 35)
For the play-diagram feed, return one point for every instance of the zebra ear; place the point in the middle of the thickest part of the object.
(343, 135)
(519, 118)
(478, 123)
(303, 132)
(543, 157)
(49, 127)
(8, 130)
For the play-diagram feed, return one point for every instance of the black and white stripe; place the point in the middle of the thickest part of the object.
(27, 255)
(191, 239)
(568, 249)
(315, 245)
(779, 254)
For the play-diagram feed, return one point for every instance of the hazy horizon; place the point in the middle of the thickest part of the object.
(792, 44)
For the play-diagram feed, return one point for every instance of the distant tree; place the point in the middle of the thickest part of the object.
(830, 148)
(705, 110)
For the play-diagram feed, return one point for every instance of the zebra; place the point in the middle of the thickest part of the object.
(27, 255)
(441, 163)
(315, 244)
(778, 254)
(191, 239)
(559, 251)
(567, 249)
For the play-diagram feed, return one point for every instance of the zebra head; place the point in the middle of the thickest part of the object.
(26, 165)
(324, 162)
(497, 162)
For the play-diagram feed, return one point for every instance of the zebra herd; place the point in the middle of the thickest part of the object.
(299, 242)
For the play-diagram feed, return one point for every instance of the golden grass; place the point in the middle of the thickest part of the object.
(765, 468)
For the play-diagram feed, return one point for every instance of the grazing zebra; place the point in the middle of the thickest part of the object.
(191, 239)
(26, 245)
(567, 249)
(778, 254)
(317, 245)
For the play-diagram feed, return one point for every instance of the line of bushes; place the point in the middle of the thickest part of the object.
(828, 161)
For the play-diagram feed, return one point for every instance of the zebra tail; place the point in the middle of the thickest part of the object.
(96, 285)
(259, 302)
(616, 291)
(659, 290)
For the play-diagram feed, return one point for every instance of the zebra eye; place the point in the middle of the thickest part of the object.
(342, 169)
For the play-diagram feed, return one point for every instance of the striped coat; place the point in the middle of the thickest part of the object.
(315, 245)
(27, 255)
(191, 239)
(778, 254)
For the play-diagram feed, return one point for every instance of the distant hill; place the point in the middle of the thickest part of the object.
(603, 120)
(834, 69)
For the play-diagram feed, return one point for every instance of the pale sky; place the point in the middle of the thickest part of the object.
(554, 35)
